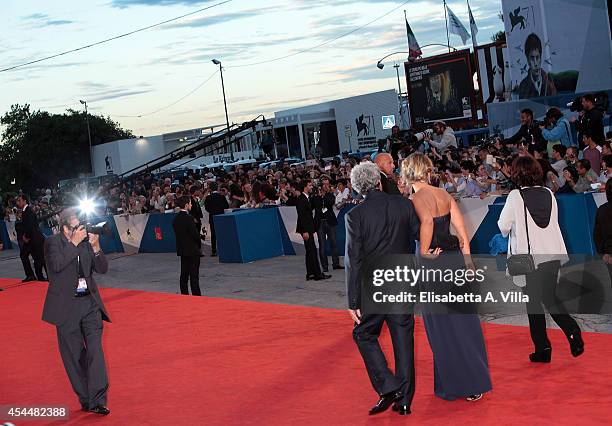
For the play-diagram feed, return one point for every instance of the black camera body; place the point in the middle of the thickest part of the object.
(101, 228)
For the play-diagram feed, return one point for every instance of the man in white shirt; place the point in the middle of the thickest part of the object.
(342, 195)
(559, 162)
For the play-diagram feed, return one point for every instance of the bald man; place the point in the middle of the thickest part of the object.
(386, 166)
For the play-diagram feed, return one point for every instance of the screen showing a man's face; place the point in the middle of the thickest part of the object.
(435, 83)
(535, 61)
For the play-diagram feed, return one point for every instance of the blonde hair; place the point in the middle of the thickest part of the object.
(416, 168)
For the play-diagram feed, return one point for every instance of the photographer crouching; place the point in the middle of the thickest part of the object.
(74, 306)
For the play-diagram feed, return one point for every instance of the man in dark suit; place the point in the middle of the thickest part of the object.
(326, 222)
(32, 241)
(382, 225)
(73, 304)
(188, 246)
(196, 210)
(386, 166)
(215, 203)
(306, 227)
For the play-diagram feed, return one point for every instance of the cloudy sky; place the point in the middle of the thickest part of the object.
(137, 80)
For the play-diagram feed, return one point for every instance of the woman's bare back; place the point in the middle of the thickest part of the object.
(436, 200)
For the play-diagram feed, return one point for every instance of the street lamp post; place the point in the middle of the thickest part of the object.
(217, 62)
(88, 135)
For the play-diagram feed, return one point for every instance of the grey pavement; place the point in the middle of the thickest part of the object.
(278, 280)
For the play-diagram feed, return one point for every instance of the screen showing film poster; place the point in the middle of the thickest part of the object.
(440, 88)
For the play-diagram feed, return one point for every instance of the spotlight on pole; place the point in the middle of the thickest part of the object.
(216, 62)
(380, 65)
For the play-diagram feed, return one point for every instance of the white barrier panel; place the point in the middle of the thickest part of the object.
(131, 229)
(600, 198)
(474, 211)
(289, 216)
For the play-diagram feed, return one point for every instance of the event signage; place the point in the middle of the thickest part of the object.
(388, 121)
(557, 46)
(441, 88)
(494, 76)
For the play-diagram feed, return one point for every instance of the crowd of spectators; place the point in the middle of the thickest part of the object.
(475, 171)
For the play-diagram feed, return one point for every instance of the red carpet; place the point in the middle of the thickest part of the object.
(184, 360)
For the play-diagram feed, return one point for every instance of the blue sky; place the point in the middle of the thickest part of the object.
(142, 73)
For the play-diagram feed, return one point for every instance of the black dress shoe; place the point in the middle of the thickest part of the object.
(385, 402)
(338, 267)
(100, 409)
(576, 344)
(402, 410)
(28, 279)
(541, 356)
(322, 277)
(310, 277)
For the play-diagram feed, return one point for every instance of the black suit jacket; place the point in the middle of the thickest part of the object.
(215, 203)
(327, 201)
(29, 225)
(383, 224)
(602, 234)
(188, 241)
(196, 210)
(388, 185)
(305, 220)
(63, 272)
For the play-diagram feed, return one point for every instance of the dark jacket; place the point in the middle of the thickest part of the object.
(215, 203)
(527, 90)
(29, 225)
(383, 224)
(531, 134)
(602, 234)
(389, 186)
(592, 121)
(63, 272)
(196, 210)
(327, 201)
(188, 242)
(305, 219)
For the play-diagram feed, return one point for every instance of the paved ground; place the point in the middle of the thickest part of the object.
(278, 280)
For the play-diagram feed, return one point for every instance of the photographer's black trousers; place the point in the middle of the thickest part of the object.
(80, 345)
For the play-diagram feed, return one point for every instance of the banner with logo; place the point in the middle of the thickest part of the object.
(557, 46)
(131, 229)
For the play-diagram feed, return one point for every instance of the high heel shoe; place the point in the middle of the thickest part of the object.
(541, 356)
(576, 344)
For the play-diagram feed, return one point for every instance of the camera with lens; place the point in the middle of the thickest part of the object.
(601, 102)
(100, 229)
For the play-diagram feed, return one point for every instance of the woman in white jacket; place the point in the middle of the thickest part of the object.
(530, 218)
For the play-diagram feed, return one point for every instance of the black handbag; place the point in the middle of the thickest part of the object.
(521, 264)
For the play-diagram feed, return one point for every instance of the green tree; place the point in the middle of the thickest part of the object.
(38, 148)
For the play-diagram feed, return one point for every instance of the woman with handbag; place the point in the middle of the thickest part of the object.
(535, 252)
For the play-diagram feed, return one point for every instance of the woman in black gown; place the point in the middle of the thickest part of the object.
(460, 359)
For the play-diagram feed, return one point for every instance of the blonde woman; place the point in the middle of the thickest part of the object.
(460, 358)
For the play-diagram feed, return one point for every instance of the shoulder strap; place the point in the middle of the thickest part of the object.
(569, 136)
(526, 224)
